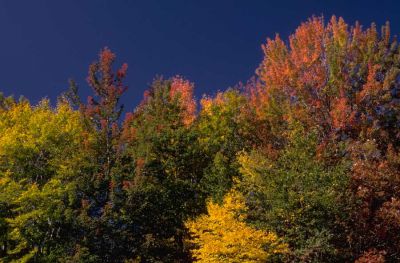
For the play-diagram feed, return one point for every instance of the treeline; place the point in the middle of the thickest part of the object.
(301, 164)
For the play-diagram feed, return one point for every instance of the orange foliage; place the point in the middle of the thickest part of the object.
(340, 113)
(320, 75)
(298, 66)
(372, 256)
(372, 87)
(183, 89)
(128, 131)
(108, 88)
(306, 51)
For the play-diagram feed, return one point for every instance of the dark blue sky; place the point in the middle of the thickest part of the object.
(215, 43)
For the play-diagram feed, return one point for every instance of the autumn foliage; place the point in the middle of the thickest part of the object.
(223, 236)
(301, 164)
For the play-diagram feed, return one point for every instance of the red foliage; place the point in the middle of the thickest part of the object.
(183, 90)
(372, 256)
(108, 87)
(127, 132)
(376, 211)
(296, 71)
(127, 184)
(340, 113)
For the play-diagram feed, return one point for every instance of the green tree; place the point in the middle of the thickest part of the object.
(224, 130)
(297, 197)
(169, 162)
(99, 182)
(40, 151)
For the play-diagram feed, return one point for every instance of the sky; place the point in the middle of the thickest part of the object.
(215, 44)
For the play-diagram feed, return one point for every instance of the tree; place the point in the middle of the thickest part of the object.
(373, 229)
(297, 197)
(341, 81)
(222, 234)
(40, 151)
(100, 182)
(224, 130)
(164, 190)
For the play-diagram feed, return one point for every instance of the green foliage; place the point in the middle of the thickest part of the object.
(224, 131)
(39, 153)
(296, 196)
(164, 189)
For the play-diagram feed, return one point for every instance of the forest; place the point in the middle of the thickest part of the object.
(299, 164)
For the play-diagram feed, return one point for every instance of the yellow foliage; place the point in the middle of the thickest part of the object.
(223, 236)
(41, 148)
(32, 125)
(27, 131)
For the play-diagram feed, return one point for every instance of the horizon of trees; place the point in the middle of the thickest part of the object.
(300, 164)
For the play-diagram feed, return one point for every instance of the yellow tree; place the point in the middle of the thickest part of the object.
(222, 235)
(40, 152)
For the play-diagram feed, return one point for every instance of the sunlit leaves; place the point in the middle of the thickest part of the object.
(182, 90)
(40, 151)
(222, 235)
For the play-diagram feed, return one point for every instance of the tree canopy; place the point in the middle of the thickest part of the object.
(300, 164)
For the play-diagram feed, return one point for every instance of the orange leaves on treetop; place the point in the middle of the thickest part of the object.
(275, 64)
(183, 90)
(306, 51)
(299, 64)
(321, 73)
(109, 82)
(303, 62)
(179, 90)
(108, 87)
(338, 30)
(296, 70)
(164, 95)
(208, 102)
